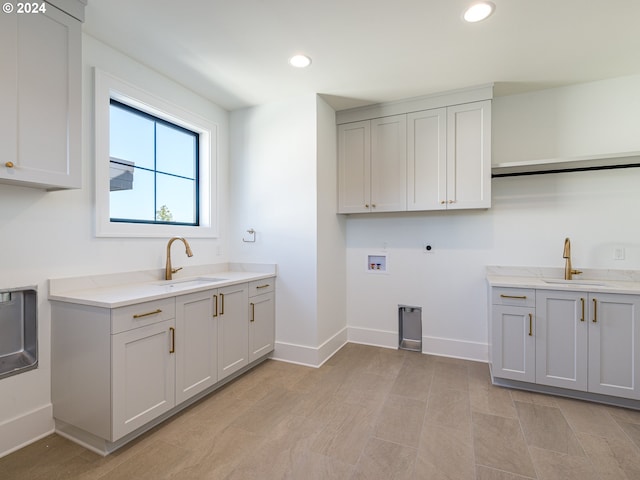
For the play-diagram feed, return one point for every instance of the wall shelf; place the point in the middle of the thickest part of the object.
(569, 164)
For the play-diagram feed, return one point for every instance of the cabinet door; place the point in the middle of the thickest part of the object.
(233, 329)
(513, 343)
(389, 164)
(47, 118)
(561, 339)
(354, 164)
(469, 155)
(614, 339)
(143, 376)
(427, 160)
(8, 89)
(196, 343)
(262, 325)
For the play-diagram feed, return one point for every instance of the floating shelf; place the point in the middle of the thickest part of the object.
(569, 164)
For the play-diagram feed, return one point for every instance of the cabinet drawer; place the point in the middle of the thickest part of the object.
(141, 314)
(523, 297)
(258, 287)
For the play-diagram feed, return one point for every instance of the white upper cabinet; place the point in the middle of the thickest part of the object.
(427, 159)
(417, 158)
(389, 164)
(469, 156)
(40, 99)
(372, 165)
(354, 167)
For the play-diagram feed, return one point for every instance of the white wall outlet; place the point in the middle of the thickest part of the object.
(427, 248)
(618, 253)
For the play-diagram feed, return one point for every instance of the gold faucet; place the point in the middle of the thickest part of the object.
(169, 271)
(568, 272)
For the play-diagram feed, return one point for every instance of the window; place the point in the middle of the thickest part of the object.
(153, 169)
(155, 165)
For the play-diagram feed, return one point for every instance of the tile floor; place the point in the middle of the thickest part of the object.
(369, 413)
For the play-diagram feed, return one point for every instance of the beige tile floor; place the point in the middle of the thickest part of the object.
(369, 413)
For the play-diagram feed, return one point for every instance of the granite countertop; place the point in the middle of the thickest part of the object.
(128, 288)
(552, 278)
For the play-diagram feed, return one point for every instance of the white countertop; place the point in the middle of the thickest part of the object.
(591, 280)
(122, 289)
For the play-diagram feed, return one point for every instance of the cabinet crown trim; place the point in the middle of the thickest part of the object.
(416, 104)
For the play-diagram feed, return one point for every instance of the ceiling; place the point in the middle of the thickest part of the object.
(235, 52)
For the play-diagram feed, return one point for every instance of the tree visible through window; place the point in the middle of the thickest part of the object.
(153, 169)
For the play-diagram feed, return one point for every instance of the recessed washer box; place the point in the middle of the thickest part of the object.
(18, 331)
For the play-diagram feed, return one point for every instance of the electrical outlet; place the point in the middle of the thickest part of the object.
(618, 253)
(427, 248)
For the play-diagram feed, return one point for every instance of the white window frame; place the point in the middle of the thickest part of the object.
(108, 87)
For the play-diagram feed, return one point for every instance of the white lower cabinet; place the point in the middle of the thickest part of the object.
(117, 370)
(583, 341)
(261, 318)
(513, 341)
(561, 339)
(143, 382)
(233, 329)
(196, 343)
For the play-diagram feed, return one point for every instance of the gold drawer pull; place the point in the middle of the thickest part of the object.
(595, 311)
(9, 165)
(530, 324)
(263, 286)
(520, 297)
(140, 315)
(222, 304)
(215, 310)
(173, 340)
(582, 317)
(253, 312)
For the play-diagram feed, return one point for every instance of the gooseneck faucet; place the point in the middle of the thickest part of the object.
(169, 271)
(568, 272)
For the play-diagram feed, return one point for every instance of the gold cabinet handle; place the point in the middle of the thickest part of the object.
(582, 317)
(373, 205)
(531, 324)
(253, 312)
(140, 315)
(452, 201)
(222, 304)
(366, 205)
(9, 165)
(595, 311)
(215, 309)
(442, 202)
(173, 339)
(263, 286)
(519, 297)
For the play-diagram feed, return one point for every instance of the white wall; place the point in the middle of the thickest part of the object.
(273, 190)
(283, 184)
(332, 260)
(51, 234)
(526, 226)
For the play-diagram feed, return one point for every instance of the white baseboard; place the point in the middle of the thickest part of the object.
(310, 356)
(370, 336)
(448, 347)
(443, 347)
(19, 432)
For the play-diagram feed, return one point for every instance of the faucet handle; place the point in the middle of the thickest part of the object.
(174, 270)
(576, 272)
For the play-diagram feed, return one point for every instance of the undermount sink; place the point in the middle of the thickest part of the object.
(189, 282)
(593, 283)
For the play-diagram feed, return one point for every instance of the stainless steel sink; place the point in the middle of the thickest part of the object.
(18, 331)
(591, 283)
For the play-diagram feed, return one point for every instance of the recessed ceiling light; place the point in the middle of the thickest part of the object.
(478, 11)
(300, 61)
